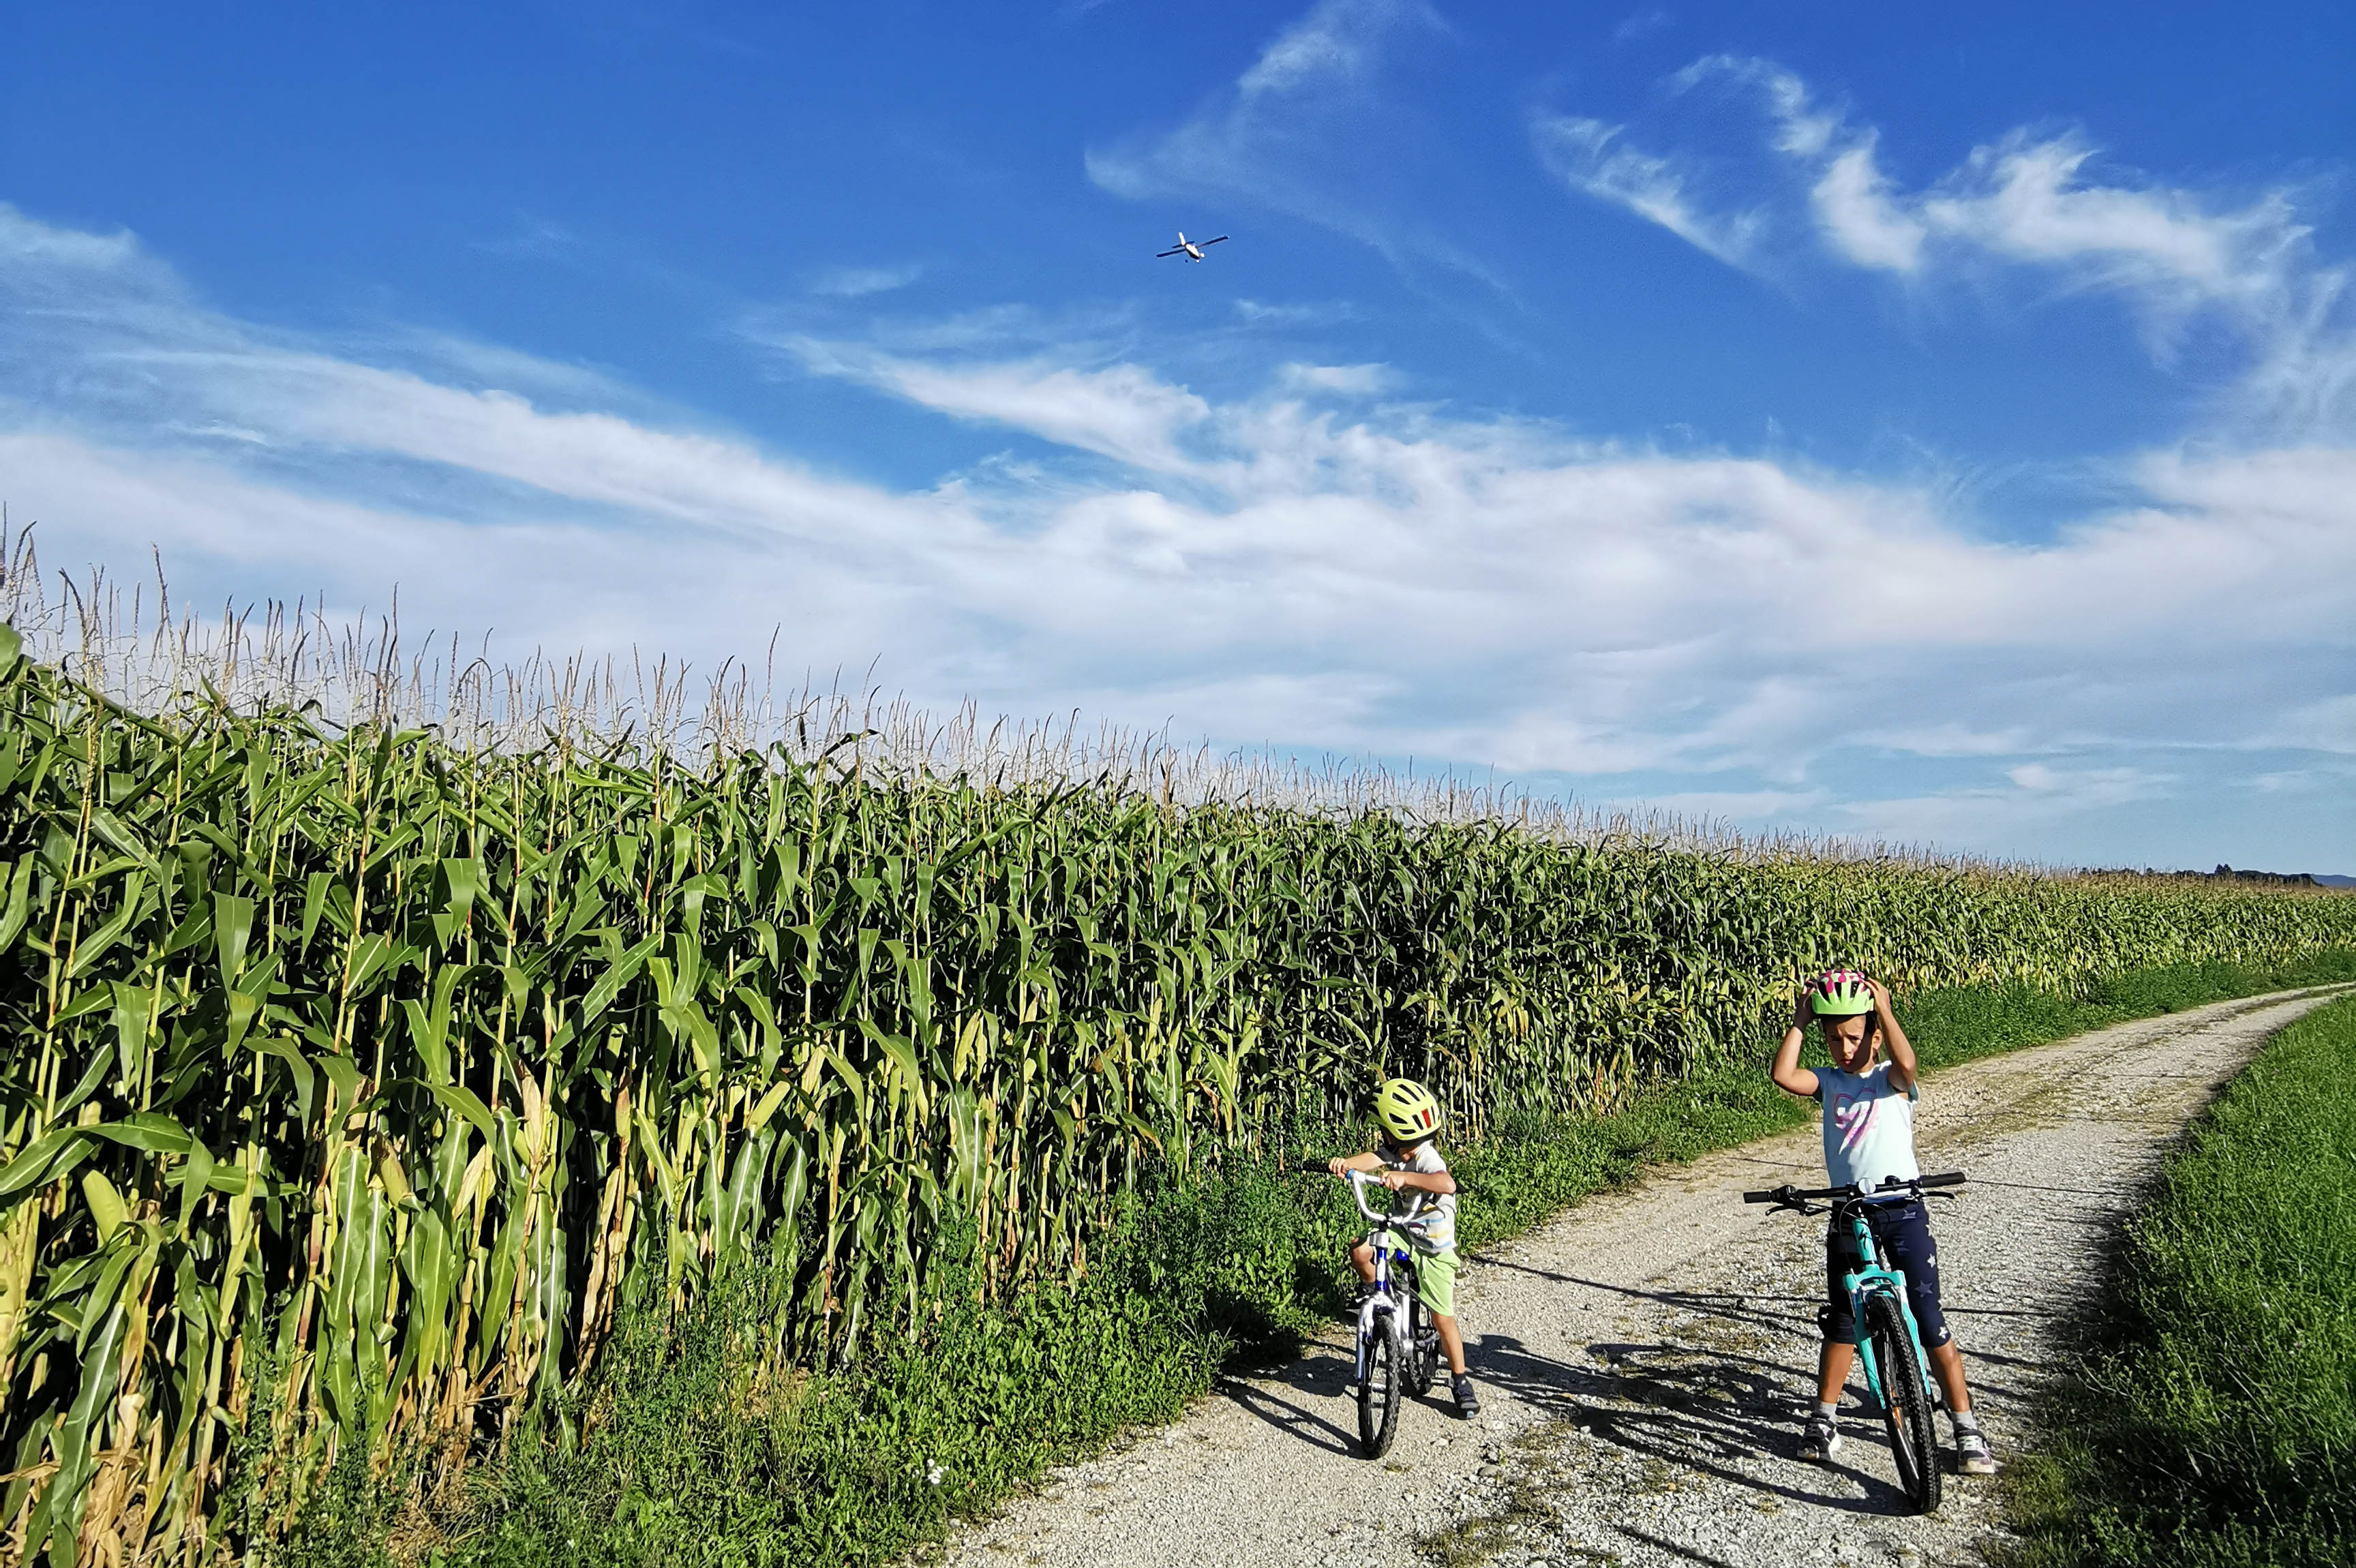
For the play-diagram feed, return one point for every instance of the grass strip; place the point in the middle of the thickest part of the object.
(685, 1451)
(2214, 1425)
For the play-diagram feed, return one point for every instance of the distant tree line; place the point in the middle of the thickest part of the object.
(2224, 873)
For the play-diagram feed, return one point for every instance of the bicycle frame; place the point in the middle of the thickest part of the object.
(1875, 1276)
(1381, 1225)
(1878, 1278)
(1909, 1412)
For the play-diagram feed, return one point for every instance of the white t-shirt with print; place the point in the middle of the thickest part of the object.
(1413, 1203)
(1868, 1127)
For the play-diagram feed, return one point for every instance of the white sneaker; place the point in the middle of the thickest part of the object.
(1819, 1438)
(1972, 1455)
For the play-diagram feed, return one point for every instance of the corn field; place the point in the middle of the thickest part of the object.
(353, 1070)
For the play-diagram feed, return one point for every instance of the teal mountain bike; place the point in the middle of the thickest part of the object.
(1399, 1348)
(1896, 1369)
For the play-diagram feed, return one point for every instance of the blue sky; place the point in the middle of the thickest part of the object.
(1937, 427)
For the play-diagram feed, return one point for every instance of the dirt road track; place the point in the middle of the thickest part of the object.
(1644, 1358)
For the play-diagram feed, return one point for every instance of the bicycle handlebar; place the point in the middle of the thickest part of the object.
(1790, 1195)
(1359, 1181)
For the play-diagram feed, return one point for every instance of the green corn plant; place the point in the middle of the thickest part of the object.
(354, 1075)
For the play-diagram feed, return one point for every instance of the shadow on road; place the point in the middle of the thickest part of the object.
(1301, 1379)
(1690, 1408)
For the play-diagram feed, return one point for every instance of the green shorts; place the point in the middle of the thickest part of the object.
(1435, 1276)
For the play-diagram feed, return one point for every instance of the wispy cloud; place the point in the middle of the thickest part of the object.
(1597, 160)
(532, 238)
(2040, 204)
(1118, 410)
(1313, 127)
(858, 282)
(1340, 380)
(1264, 313)
(1308, 562)
(1643, 23)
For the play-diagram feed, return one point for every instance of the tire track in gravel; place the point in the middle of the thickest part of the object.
(1646, 1357)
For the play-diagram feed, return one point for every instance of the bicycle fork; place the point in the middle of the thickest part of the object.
(1376, 1306)
(1858, 1296)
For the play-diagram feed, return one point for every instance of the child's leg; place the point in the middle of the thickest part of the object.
(1833, 1363)
(1364, 1257)
(1947, 1366)
(1451, 1341)
(1839, 1352)
(1435, 1281)
(1905, 1233)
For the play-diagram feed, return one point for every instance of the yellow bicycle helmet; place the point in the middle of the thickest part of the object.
(1406, 1111)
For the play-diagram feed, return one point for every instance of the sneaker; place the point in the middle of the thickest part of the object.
(1972, 1455)
(1468, 1400)
(1819, 1438)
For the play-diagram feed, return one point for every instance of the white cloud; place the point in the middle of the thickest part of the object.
(1118, 411)
(1642, 24)
(2041, 206)
(28, 246)
(1310, 127)
(1746, 806)
(1309, 564)
(1952, 740)
(1853, 203)
(1330, 56)
(858, 282)
(2034, 794)
(1261, 313)
(1596, 159)
(1342, 380)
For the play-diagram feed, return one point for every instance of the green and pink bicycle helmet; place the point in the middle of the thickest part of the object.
(1839, 993)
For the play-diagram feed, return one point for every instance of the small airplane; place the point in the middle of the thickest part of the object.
(1190, 249)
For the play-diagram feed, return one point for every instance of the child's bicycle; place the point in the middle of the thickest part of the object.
(1398, 1348)
(1888, 1343)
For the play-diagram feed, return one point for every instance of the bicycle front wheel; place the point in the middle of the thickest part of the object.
(1905, 1404)
(1382, 1390)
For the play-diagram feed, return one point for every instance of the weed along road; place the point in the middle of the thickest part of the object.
(1645, 1358)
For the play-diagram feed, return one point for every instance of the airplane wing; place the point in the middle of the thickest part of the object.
(1179, 252)
(1210, 242)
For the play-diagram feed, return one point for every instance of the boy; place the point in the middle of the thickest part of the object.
(1409, 1164)
(1869, 1135)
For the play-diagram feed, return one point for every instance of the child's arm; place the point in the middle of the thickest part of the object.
(1903, 1074)
(1785, 1071)
(1438, 1182)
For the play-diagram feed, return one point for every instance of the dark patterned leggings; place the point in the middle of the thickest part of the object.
(1904, 1232)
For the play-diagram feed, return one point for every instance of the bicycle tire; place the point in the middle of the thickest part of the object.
(1905, 1405)
(1423, 1349)
(1381, 1391)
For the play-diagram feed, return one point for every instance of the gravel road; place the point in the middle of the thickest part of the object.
(1644, 1358)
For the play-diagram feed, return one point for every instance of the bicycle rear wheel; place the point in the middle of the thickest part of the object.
(1422, 1346)
(1381, 1391)
(1905, 1404)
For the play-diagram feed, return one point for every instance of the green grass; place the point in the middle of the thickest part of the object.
(2215, 1424)
(678, 1454)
